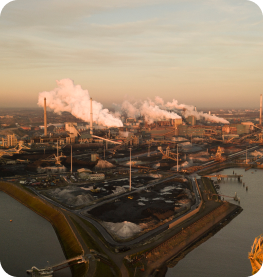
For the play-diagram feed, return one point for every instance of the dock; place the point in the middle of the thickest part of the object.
(222, 176)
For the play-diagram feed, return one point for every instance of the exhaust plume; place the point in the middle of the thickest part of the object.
(152, 112)
(149, 109)
(158, 110)
(191, 110)
(68, 97)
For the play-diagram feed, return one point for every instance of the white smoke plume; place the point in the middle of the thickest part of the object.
(130, 109)
(189, 110)
(152, 112)
(72, 98)
(159, 101)
(158, 110)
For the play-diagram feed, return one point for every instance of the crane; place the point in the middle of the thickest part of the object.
(120, 144)
(256, 254)
(167, 154)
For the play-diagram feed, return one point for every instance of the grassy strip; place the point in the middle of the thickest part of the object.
(69, 242)
(79, 269)
(94, 230)
(101, 268)
(208, 185)
(87, 238)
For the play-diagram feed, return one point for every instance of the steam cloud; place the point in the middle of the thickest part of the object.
(190, 110)
(158, 110)
(68, 97)
(149, 109)
(72, 98)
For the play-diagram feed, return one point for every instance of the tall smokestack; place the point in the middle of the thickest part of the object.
(260, 111)
(45, 117)
(91, 118)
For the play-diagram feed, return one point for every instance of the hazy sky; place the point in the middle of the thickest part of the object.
(207, 53)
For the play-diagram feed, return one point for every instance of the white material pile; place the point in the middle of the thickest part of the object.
(257, 153)
(86, 170)
(156, 165)
(183, 165)
(178, 138)
(143, 199)
(122, 230)
(156, 176)
(119, 190)
(67, 196)
(104, 164)
(166, 189)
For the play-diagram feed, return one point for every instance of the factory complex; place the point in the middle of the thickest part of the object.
(138, 184)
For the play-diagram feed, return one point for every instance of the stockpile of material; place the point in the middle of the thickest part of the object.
(257, 153)
(102, 164)
(122, 230)
(68, 196)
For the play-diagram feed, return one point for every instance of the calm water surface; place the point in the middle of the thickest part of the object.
(28, 241)
(226, 253)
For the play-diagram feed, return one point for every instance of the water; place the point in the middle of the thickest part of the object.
(29, 240)
(226, 253)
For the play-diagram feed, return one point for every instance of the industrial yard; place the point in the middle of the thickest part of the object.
(137, 184)
(146, 209)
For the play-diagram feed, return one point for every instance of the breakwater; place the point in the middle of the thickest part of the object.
(69, 242)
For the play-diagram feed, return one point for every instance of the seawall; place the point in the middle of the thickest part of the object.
(69, 242)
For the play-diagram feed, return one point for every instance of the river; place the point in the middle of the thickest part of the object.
(29, 240)
(226, 253)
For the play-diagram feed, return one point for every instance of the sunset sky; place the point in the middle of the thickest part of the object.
(207, 53)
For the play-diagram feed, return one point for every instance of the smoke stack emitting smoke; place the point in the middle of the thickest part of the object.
(45, 117)
(72, 98)
(68, 97)
(91, 118)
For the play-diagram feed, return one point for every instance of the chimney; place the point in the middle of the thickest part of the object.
(260, 111)
(45, 117)
(91, 119)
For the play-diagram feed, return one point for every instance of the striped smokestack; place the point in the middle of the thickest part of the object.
(45, 117)
(260, 111)
(91, 118)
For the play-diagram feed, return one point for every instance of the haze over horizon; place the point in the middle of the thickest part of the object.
(206, 54)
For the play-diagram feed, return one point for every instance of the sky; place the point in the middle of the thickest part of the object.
(206, 53)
